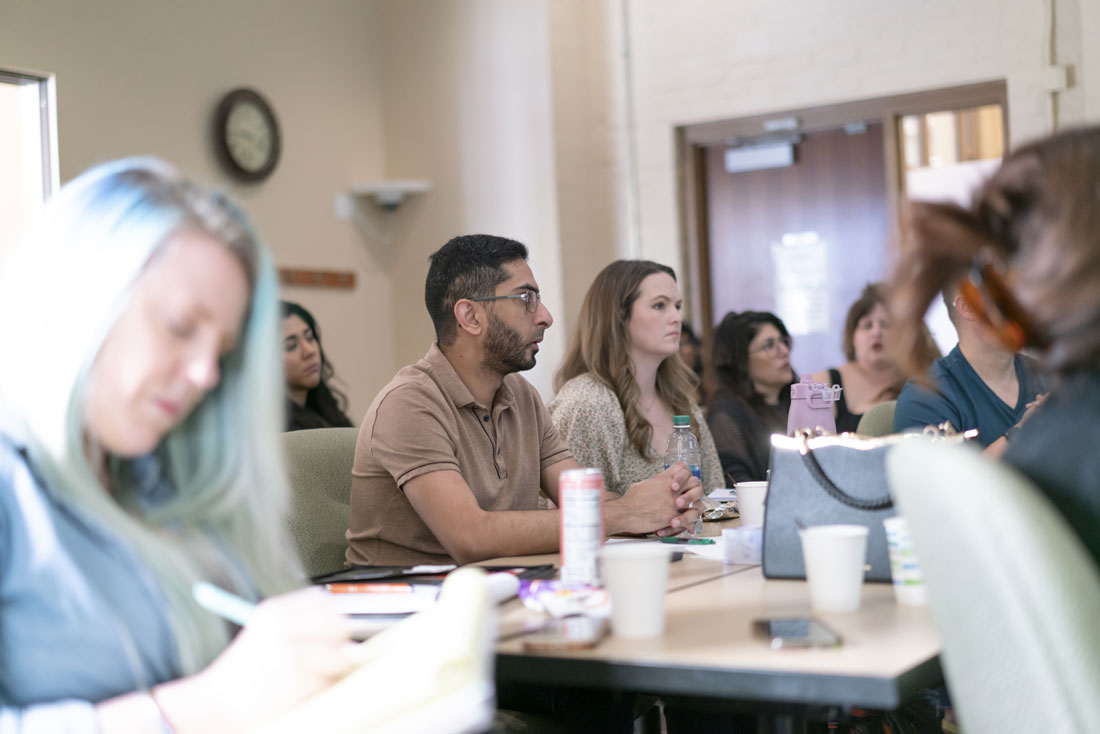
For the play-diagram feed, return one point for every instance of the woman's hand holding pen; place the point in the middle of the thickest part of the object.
(293, 646)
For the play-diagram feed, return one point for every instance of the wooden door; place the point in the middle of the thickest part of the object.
(836, 189)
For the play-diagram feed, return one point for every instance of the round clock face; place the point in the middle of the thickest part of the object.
(247, 135)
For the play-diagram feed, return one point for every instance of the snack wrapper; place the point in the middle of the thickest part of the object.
(561, 600)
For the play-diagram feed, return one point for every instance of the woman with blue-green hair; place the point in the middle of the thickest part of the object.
(139, 454)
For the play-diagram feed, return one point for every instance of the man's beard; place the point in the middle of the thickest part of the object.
(505, 349)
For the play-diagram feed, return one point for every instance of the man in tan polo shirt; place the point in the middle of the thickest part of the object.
(453, 451)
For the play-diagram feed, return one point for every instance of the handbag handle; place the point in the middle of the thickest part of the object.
(838, 494)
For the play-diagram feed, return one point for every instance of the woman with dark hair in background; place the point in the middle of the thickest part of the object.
(689, 350)
(871, 376)
(752, 367)
(311, 402)
(1026, 255)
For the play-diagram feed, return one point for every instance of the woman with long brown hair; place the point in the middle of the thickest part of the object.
(622, 379)
(1025, 257)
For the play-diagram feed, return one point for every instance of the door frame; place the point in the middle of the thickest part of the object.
(693, 140)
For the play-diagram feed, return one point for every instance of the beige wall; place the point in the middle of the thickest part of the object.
(587, 82)
(468, 106)
(137, 77)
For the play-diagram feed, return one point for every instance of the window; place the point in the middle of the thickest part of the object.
(946, 155)
(942, 139)
(28, 150)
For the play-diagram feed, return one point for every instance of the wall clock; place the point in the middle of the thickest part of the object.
(246, 135)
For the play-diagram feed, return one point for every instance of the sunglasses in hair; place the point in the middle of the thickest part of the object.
(986, 291)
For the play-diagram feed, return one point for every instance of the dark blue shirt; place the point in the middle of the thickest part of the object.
(964, 399)
(1056, 449)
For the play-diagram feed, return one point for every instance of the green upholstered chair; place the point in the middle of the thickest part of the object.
(1015, 594)
(878, 420)
(319, 465)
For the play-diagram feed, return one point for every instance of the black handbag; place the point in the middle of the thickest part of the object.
(831, 480)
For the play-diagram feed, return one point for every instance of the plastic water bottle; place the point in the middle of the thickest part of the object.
(684, 446)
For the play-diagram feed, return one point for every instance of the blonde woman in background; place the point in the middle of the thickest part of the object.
(622, 379)
(870, 376)
(139, 453)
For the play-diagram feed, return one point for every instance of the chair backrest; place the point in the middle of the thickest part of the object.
(878, 420)
(319, 465)
(1015, 594)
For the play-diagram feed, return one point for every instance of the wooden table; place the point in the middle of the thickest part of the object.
(890, 652)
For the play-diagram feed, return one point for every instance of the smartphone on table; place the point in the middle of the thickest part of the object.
(783, 633)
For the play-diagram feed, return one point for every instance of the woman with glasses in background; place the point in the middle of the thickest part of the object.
(1026, 253)
(753, 375)
(622, 379)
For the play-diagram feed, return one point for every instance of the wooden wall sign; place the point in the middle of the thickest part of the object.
(317, 278)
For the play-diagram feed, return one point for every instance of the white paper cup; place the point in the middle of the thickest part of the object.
(905, 570)
(636, 576)
(835, 556)
(750, 501)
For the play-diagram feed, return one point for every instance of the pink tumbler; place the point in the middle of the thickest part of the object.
(812, 406)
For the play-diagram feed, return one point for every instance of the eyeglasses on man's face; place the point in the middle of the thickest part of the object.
(771, 345)
(531, 299)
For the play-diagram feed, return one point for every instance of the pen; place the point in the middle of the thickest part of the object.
(689, 541)
(221, 602)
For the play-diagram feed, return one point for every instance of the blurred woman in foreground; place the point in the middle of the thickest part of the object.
(139, 454)
(1026, 255)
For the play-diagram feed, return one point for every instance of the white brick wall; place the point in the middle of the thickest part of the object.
(700, 60)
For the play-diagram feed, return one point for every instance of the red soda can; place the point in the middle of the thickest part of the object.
(580, 496)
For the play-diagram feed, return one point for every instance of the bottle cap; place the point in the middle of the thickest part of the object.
(681, 420)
